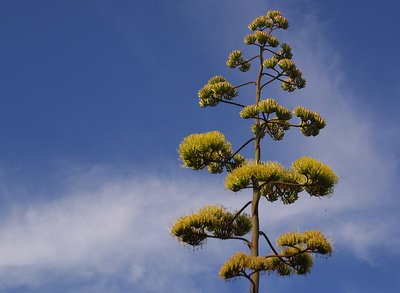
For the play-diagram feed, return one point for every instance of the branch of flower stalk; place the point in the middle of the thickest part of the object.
(243, 146)
(230, 237)
(246, 83)
(241, 210)
(231, 103)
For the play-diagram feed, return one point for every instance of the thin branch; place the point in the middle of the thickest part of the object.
(285, 81)
(269, 243)
(232, 103)
(246, 61)
(269, 50)
(283, 183)
(307, 250)
(251, 59)
(230, 237)
(247, 277)
(277, 77)
(273, 78)
(268, 82)
(265, 125)
(241, 210)
(274, 250)
(286, 183)
(273, 121)
(275, 70)
(243, 84)
(264, 118)
(242, 147)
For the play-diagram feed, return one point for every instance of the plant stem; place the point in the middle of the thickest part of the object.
(255, 222)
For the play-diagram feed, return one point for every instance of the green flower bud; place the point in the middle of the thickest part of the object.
(268, 106)
(281, 22)
(275, 131)
(286, 51)
(216, 89)
(249, 112)
(273, 13)
(235, 58)
(273, 42)
(216, 79)
(288, 85)
(244, 67)
(286, 64)
(311, 122)
(258, 23)
(206, 97)
(300, 82)
(283, 113)
(270, 62)
(262, 37)
(250, 39)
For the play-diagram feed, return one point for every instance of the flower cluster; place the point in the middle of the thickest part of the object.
(216, 89)
(211, 150)
(214, 221)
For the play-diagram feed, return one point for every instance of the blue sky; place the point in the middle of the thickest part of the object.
(96, 97)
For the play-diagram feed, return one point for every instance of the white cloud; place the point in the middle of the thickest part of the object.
(102, 229)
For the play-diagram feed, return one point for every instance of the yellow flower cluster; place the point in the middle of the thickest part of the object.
(215, 90)
(274, 181)
(213, 221)
(210, 149)
(240, 262)
(311, 240)
(318, 178)
(311, 122)
(236, 60)
(273, 19)
(251, 174)
(295, 257)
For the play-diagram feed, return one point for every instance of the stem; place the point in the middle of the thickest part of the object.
(232, 103)
(255, 237)
(243, 146)
(269, 242)
(247, 61)
(272, 80)
(240, 211)
(277, 77)
(243, 84)
(269, 50)
(255, 221)
(230, 237)
(251, 59)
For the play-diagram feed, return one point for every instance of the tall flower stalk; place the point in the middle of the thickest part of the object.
(269, 181)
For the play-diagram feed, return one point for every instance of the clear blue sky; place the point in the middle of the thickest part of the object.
(95, 98)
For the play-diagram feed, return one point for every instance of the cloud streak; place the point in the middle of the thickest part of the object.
(103, 230)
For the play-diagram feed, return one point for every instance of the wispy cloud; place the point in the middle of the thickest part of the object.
(106, 229)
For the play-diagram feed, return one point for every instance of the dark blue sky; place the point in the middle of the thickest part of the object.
(96, 97)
